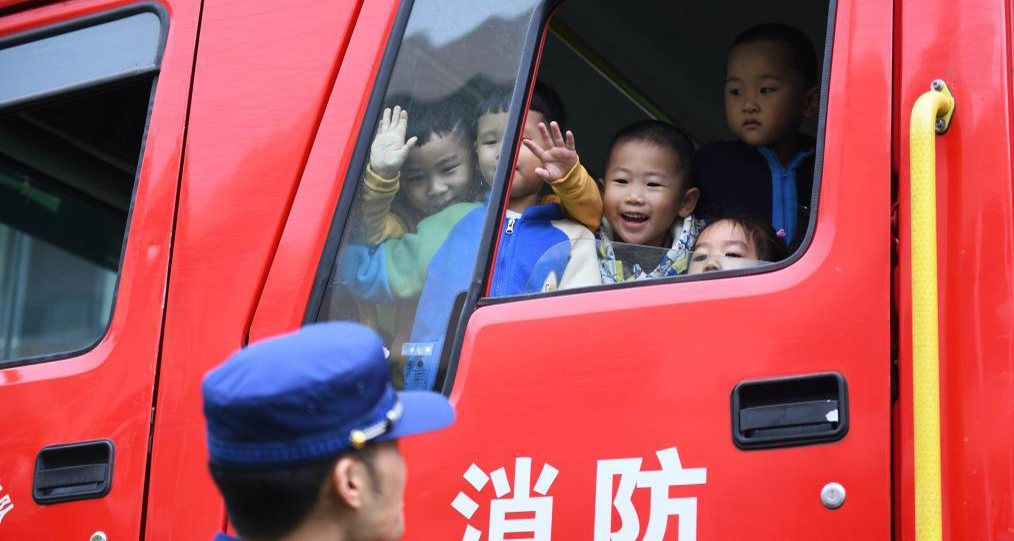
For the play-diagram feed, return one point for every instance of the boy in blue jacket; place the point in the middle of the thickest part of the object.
(539, 249)
(771, 86)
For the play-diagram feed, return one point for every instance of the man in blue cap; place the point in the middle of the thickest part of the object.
(302, 435)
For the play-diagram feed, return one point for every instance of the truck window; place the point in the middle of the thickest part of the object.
(671, 81)
(73, 111)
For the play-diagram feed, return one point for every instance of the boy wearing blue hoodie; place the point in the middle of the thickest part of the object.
(771, 86)
(539, 249)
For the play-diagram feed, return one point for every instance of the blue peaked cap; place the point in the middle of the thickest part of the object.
(311, 394)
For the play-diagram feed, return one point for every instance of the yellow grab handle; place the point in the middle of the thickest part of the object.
(930, 115)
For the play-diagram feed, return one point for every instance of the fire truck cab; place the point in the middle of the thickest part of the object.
(181, 177)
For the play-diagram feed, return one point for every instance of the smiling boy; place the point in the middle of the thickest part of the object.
(649, 198)
(535, 225)
(770, 87)
(409, 180)
(572, 187)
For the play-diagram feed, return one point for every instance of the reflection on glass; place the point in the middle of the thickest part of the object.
(86, 55)
(412, 236)
(452, 41)
(67, 173)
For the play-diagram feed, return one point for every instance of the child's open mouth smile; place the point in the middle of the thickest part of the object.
(634, 221)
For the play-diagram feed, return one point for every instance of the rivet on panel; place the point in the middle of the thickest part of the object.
(832, 495)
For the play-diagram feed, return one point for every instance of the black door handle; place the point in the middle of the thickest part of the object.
(73, 471)
(796, 410)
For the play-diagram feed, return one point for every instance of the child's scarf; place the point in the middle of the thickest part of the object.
(674, 262)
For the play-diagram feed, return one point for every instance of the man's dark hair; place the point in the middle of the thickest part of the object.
(547, 102)
(804, 56)
(762, 235)
(271, 502)
(662, 135)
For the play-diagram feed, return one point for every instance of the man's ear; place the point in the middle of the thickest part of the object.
(812, 102)
(349, 481)
(690, 198)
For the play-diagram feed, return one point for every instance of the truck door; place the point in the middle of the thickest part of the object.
(740, 404)
(92, 112)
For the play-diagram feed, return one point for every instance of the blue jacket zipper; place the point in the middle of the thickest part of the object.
(506, 245)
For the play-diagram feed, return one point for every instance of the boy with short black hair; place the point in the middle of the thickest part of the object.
(649, 197)
(436, 261)
(572, 187)
(408, 180)
(533, 225)
(412, 194)
(397, 270)
(771, 86)
(526, 259)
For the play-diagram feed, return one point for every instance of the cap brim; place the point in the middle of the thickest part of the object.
(423, 411)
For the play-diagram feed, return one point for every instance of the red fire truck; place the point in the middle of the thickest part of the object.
(176, 179)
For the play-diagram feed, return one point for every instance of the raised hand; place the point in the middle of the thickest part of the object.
(389, 148)
(558, 155)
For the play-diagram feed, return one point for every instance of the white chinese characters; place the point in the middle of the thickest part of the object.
(662, 507)
(540, 508)
(518, 514)
(5, 504)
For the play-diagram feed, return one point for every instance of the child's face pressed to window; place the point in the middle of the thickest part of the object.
(645, 192)
(438, 173)
(765, 95)
(723, 246)
(489, 138)
(525, 183)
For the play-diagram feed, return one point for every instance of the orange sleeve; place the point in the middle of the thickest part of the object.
(579, 196)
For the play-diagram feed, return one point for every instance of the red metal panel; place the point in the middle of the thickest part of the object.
(106, 392)
(262, 76)
(287, 290)
(967, 44)
(6, 4)
(575, 379)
